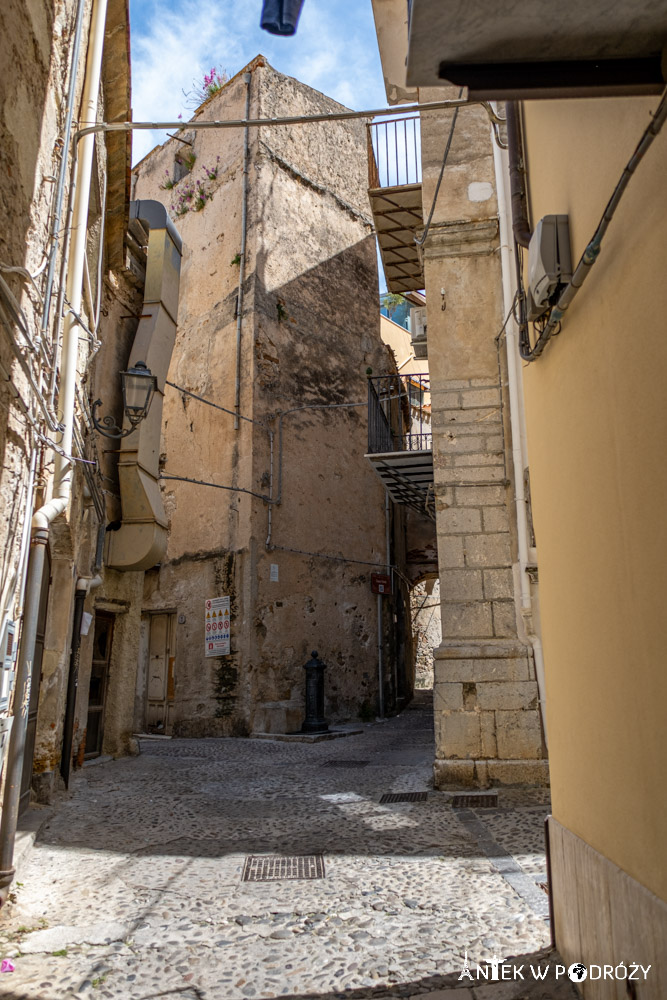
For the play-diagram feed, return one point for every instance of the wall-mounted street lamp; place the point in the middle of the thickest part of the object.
(138, 385)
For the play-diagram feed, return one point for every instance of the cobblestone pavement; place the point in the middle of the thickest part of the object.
(134, 889)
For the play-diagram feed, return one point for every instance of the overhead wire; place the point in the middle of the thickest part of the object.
(422, 239)
(593, 247)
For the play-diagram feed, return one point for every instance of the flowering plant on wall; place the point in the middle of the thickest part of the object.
(212, 83)
(191, 195)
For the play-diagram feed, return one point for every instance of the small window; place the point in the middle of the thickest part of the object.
(185, 159)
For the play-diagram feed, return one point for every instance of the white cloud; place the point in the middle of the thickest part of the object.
(175, 43)
(180, 47)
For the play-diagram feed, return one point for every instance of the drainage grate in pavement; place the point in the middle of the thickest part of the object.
(345, 763)
(475, 802)
(272, 868)
(403, 797)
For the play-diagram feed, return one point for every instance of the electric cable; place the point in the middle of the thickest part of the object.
(592, 251)
(420, 242)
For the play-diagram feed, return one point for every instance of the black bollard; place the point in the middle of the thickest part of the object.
(314, 721)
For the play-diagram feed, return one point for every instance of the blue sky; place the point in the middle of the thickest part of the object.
(175, 42)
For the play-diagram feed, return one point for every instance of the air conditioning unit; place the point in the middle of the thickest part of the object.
(418, 328)
(549, 263)
(7, 663)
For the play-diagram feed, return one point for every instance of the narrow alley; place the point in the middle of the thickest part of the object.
(135, 886)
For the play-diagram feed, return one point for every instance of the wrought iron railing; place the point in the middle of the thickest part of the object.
(399, 413)
(394, 152)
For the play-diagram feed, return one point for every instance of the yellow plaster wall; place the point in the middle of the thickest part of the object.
(597, 416)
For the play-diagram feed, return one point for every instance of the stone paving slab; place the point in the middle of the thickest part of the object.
(134, 889)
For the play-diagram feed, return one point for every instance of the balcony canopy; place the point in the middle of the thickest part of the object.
(395, 193)
(538, 48)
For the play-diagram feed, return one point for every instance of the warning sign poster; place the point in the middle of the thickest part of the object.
(216, 626)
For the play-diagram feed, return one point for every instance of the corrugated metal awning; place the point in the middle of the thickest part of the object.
(397, 212)
(408, 477)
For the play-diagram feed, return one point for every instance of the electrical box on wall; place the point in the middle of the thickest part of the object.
(549, 263)
(418, 327)
(7, 664)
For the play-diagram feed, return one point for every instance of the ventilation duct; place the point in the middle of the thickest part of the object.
(141, 540)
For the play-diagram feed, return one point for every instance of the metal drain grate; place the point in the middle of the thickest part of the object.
(345, 763)
(403, 797)
(475, 802)
(272, 868)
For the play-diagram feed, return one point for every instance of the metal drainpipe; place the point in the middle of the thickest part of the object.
(379, 614)
(10, 805)
(380, 660)
(83, 588)
(387, 538)
(517, 416)
(247, 77)
(62, 479)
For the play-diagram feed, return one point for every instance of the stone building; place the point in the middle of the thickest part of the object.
(68, 280)
(588, 354)
(276, 260)
(489, 727)
(278, 326)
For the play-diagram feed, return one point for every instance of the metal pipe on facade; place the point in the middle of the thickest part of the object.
(62, 168)
(63, 471)
(517, 175)
(517, 418)
(14, 765)
(74, 285)
(55, 346)
(247, 77)
(293, 120)
(380, 660)
(270, 505)
(388, 571)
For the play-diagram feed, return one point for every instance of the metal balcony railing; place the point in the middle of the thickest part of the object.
(394, 152)
(399, 413)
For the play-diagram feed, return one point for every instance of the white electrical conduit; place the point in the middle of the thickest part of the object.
(517, 419)
(247, 77)
(62, 484)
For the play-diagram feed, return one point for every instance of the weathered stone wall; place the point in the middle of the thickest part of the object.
(426, 628)
(486, 703)
(34, 50)
(310, 329)
(36, 42)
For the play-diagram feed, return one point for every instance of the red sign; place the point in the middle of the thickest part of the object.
(380, 584)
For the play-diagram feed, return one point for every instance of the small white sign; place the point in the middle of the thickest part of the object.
(273, 575)
(86, 621)
(216, 627)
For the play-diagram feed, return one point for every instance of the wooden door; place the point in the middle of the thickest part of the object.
(99, 681)
(160, 688)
